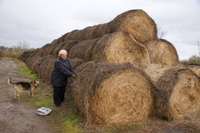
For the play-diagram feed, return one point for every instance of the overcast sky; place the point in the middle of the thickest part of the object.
(39, 22)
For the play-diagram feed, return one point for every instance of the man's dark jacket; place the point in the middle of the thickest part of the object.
(61, 71)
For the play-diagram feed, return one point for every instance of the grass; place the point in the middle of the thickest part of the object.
(64, 119)
(24, 70)
(10, 54)
(71, 123)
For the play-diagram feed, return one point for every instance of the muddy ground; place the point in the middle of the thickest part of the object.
(18, 117)
(15, 116)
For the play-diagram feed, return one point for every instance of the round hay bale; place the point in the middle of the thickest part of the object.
(162, 52)
(118, 47)
(35, 63)
(29, 54)
(75, 62)
(112, 94)
(177, 97)
(83, 50)
(136, 22)
(194, 68)
(67, 45)
(47, 49)
(25, 55)
(45, 68)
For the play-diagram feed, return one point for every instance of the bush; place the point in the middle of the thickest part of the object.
(13, 54)
(194, 60)
(1, 53)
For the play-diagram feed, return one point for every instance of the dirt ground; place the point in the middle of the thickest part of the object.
(18, 117)
(15, 116)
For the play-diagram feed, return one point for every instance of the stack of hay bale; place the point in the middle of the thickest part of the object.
(124, 72)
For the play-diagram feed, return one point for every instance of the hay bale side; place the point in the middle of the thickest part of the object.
(178, 93)
(83, 50)
(194, 68)
(136, 22)
(47, 49)
(75, 62)
(45, 68)
(118, 47)
(112, 94)
(162, 52)
(29, 54)
(67, 45)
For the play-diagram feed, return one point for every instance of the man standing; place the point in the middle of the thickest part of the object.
(61, 71)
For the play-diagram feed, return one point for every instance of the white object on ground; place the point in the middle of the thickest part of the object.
(43, 111)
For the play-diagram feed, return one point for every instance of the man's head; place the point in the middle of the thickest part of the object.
(63, 54)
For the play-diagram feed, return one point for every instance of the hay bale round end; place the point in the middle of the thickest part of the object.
(112, 94)
(179, 95)
(162, 52)
(138, 23)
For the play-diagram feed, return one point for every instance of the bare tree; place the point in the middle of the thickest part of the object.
(198, 48)
(23, 45)
(161, 34)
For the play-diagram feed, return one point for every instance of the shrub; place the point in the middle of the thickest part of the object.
(1, 53)
(194, 60)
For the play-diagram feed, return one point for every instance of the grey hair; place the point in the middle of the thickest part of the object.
(62, 52)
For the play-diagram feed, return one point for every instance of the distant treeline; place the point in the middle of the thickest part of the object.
(14, 51)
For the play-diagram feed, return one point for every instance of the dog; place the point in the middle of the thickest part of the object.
(24, 86)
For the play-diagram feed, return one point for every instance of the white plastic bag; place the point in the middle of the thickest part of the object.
(43, 111)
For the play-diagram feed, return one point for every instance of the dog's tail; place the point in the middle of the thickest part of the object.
(10, 82)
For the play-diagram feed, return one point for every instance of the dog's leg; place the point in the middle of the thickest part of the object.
(32, 92)
(15, 94)
(18, 95)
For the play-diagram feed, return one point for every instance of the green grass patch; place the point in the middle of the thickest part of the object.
(12, 54)
(41, 99)
(64, 119)
(71, 123)
(24, 70)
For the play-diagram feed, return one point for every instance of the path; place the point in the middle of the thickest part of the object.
(16, 117)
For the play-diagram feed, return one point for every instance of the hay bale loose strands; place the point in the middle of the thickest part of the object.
(112, 94)
(178, 95)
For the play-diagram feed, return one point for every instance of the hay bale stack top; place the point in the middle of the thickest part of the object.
(136, 22)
